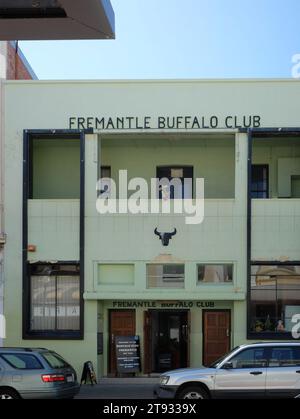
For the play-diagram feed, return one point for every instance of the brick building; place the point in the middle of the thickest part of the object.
(16, 65)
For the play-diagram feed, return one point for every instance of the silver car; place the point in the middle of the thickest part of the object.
(261, 370)
(35, 374)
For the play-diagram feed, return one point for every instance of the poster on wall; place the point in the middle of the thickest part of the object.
(128, 354)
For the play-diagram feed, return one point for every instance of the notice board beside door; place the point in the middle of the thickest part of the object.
(128, 354)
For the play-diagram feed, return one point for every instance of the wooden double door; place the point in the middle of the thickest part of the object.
(167, 337)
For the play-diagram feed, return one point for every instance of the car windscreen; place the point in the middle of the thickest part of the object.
(218, 361)
(54, 360)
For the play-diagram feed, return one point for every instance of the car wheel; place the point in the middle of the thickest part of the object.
(8, 395)
(193, 393)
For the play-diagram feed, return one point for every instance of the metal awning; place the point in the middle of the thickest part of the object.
(56, 19)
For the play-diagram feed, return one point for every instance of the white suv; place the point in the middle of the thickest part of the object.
(261, 370)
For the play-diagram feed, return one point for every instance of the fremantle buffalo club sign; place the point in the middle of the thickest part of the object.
(187, 122)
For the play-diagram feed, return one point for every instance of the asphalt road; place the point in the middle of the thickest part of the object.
(127, 390)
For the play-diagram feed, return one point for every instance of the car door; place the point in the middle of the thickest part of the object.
(244, 375)
(283, 372)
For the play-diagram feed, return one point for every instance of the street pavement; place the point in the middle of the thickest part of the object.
(118, 388)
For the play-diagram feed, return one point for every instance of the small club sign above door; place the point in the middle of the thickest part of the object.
(163, 304)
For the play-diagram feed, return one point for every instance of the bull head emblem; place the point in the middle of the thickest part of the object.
(165, 237)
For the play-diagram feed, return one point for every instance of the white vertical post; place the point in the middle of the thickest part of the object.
(3, 59)
(3, 73)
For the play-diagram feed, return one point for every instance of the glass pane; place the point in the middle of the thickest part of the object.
(23, 361)
(259, 186)
(55, 361)
(181, 186)
(215, 273)
(165, 276)
(68, 303)
(261, 195)
(43, 299)
(250, 358)
(275, 295)
(284, 357)
(105, 172)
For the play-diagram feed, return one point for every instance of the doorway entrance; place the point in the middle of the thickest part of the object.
(121, 323)
(216, 335)
(166, 339)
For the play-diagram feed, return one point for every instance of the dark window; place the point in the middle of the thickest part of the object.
(260, 182)
(275, 298)
(105, 183)
(165, 276)
(250, 358)
(285, 357)
(105, 172)
(175, 182)
(23, 361)
(54, 298)
(215, 274)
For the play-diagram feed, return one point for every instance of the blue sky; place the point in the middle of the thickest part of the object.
(180, 39)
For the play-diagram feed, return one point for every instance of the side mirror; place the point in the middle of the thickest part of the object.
(228, 366)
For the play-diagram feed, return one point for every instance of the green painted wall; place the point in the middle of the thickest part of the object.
(54, 221)
(276, 229)
(212, 159)
(115, 275)
(56, 169)
(273, 150)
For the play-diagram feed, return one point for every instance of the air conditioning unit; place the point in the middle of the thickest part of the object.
(56, 19)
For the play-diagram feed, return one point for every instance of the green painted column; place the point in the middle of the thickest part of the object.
(241, 187)
(91, 177)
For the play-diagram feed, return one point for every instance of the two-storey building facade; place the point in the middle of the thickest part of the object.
(13, 66)
(78, 278)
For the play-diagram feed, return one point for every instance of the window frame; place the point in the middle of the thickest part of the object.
(268, 336)
(102, 168)
(28, 136)
(164, 278)
(252, 348)
(252, 134)
(56, 275)
(226, 283)
(176, 167)
(275, 347)
(52, 334)
(267, 191)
